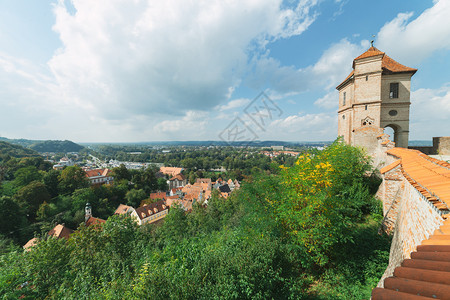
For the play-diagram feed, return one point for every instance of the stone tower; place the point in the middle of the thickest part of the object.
(376, 94)
(87, 212)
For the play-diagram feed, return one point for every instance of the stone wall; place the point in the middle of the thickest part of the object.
(407, 213)
(441, 145)
(416, 219)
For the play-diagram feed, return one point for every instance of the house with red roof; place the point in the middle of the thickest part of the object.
(150, 213)
(99, 176)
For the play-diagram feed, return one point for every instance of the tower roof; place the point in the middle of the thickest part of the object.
(372, 51)
(388, 65)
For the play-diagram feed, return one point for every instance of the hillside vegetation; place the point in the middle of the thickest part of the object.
(309, 232)
(45, 146)
(10, 150)
(56, 146)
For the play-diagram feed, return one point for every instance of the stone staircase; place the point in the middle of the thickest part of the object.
(426, 275)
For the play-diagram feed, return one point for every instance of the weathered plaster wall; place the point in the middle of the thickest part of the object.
(407, 213)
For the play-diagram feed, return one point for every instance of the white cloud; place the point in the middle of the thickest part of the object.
(329, 101)
(412, 41)
(234, 104)
(192, 125)
(331, 68)
(172, 56)
(301, 127)
(430, 109)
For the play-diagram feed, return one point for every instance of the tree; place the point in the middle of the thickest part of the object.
(162, 184)
(25, 175)
(30, 197)
(11, 217)
(134, 197)
(72, 178)
(51, 181)
(121, 172)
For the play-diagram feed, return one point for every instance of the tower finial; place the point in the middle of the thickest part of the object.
(371, 42)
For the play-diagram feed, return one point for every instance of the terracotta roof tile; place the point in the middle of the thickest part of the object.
(388, 64)
(430, 177)
(390, 167)
(392, 66)
(94, 221)
(60, 231)
(372, 51)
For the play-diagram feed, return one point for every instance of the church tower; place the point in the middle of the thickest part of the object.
(87, 212)
(376, 94)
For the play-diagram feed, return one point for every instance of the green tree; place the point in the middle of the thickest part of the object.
(51, 181)
(11, 217)
(30, 197)
(121, 172)
(134, 197)
(26, 175)
(72, 178)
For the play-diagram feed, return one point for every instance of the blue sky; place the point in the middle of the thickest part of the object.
(129, 71)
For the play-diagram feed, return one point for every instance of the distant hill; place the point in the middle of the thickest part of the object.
(56, 146)
(45, 146)
(8, 149)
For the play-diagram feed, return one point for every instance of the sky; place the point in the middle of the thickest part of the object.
(232, 70)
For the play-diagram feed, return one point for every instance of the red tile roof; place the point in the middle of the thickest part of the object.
(390, 167)
(179, 177)
(159, 195)
(388, 65)
(94, 221)
(429, 176)
(97, 172)
(122, 209)
(372, 51)
(427, 274)
(148, 210)
(60, 231)
(31, 243)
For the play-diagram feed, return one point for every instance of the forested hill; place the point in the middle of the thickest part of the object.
(45, 146)
(15, 151)
(56, 146)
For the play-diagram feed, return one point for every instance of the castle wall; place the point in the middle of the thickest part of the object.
(441, 145)
(407, 213)
(415, 220)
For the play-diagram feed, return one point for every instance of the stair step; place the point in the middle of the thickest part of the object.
(423, 275)
(416, 287)
(385, 294)
(427, 264)
(439, 237)
(436, 242)
(441, 231)
(433, 248)
(436, 256)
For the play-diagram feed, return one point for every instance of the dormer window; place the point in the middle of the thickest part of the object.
(393, 91)
(344, 96)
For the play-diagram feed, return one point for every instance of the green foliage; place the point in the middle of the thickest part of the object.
(56, 146)
(26, 175)
(134, 197)
(309, 232)
(30, 197)
(72, 178)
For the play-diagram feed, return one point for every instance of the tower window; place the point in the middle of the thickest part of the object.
(365, 107)
(367, 77)
(343, 117)
(344, 96)
(393, 91)
(393, 112)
